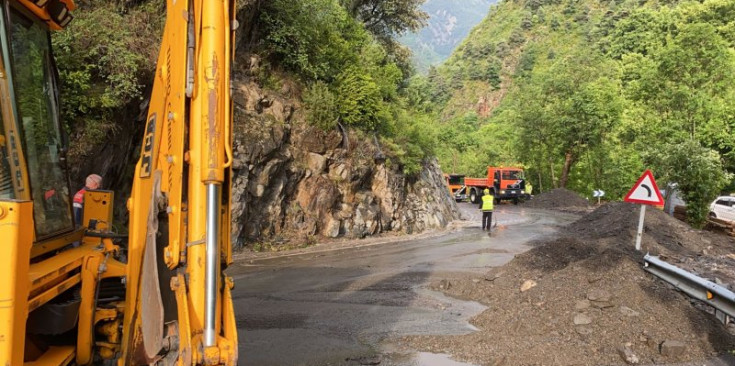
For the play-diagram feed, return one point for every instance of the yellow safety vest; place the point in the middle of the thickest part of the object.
(487, 202)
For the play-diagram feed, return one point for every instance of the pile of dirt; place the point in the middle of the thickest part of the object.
(559, 199)
(583, 298)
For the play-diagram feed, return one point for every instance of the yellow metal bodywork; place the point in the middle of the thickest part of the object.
(98, 207)
(16, 229)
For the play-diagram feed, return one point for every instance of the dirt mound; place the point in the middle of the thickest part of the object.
(666, 235)
(583, 298)
(558, 199)
(707, 254)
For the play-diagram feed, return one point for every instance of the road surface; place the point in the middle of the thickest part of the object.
(348, 307)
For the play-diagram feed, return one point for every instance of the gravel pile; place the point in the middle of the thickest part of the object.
(558, 199)
(583, 298)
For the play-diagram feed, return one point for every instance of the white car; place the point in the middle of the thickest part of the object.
(723, 208)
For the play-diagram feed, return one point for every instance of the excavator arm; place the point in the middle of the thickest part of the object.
(179, 209)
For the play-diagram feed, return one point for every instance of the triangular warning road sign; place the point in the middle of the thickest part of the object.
(645, 191)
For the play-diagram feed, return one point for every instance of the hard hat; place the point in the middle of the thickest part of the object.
(486, 191)
(93, 179)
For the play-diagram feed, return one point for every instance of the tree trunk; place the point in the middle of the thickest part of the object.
(569, 159)
(553, 177)
(540, 182)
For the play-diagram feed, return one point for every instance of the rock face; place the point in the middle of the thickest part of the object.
(293, 181)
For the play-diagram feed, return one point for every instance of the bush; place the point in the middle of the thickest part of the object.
(699, 174)
(314, 38)
(106, 57)
(321, 106)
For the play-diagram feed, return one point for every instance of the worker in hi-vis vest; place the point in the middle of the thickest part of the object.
(486, 205)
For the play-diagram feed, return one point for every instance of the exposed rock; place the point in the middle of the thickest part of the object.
(291, 180)
(600, 299)
(317, 163)
(599, 295)
(673, 348)
(529, 284)
(331, 228)
(601, 305)
(583, 330)
(582, 319)
(628, 311)
(626, 353)
(582, 305)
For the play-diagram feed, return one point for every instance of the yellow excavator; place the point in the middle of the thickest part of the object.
(78, 293)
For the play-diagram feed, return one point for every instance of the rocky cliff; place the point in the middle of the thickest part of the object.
(293, 183)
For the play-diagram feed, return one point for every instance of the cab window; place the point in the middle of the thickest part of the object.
(512, 175)
(7, 190)
(35, 102)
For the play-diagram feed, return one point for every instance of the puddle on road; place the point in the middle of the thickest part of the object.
(422, 359)
(433, 359)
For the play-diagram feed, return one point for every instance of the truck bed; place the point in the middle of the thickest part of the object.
(475, 182)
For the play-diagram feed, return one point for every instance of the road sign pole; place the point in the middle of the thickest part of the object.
(640, 229)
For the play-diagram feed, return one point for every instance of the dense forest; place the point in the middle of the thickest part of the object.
(587, 94)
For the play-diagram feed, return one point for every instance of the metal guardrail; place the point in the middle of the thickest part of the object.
(722, 299)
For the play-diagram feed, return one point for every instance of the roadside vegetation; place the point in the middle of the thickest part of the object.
(353, 71)
(586, 94)
(342, 53)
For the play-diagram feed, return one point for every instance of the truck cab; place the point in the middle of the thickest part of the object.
(507, 183)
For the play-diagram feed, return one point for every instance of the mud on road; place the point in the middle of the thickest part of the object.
(583, 299)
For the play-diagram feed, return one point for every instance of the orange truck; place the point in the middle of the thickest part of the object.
(455, 183)
(504, 183)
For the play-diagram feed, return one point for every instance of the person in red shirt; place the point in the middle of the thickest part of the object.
(93, 182)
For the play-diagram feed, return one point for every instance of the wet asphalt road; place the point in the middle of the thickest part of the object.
(344, 307)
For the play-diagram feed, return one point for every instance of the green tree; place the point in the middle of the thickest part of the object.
(388, 18)
(574, 106)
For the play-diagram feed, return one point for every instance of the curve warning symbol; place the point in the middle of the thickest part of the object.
(645, 191)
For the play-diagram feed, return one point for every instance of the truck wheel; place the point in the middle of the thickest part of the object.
(497, 201)
(473, 196)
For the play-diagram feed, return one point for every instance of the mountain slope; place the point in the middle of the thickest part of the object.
(449, 23)
(589, 93)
